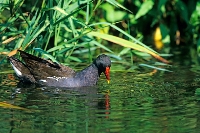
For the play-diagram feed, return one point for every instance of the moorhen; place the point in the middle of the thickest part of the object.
(47, 73)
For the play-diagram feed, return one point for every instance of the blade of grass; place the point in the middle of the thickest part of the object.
(116, 4)
(35, 34)
(46, 54)
(127, 44)
(123, 32)
(157, 68)
(91, 41)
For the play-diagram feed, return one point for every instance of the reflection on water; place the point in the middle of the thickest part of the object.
(166, 102)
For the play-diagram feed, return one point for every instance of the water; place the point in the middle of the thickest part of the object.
(163, 103)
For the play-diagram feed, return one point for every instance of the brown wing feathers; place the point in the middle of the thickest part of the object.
(41, 68)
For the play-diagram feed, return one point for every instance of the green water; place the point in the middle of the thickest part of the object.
(162, 103)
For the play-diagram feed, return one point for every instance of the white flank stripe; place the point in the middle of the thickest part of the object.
(56, 78)
(16, 70)
(42, 80)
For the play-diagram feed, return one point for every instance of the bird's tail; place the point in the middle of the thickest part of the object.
(21, 70)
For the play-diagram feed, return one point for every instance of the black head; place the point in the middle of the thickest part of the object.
(102, 61)
(103, 64)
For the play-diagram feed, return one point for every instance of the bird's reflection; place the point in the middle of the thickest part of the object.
(89, 96)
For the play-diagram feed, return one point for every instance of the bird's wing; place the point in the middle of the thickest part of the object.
(41, 68)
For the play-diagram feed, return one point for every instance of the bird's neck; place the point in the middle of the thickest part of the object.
(89, 75)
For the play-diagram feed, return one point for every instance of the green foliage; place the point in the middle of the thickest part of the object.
(144, 9)
(61, 28)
